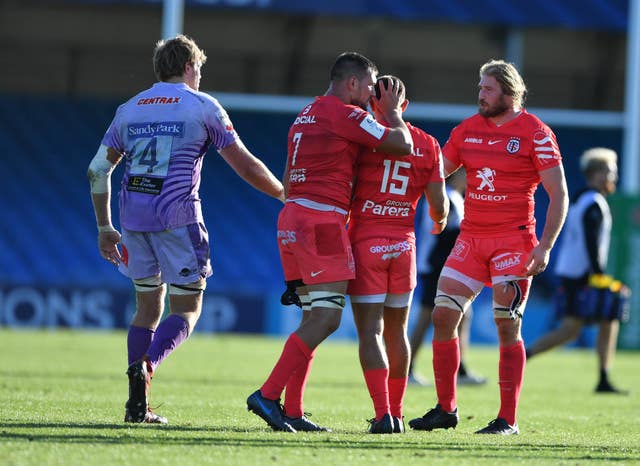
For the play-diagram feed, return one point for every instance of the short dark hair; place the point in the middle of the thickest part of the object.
(352, 64)
(386, 81)
(172, 55)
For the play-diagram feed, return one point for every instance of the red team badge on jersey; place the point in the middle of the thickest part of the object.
(513, 145)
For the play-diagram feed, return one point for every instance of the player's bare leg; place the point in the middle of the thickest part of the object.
(466, 376)
(368, 318)
(418, 333)
(327, 302)
(509, 299)
(569, 330)
(606, 349)
(398, 354)
(150, 306)
(186, 304)
(452, 300)
(294, 413)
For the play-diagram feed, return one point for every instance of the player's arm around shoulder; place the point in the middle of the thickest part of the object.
(252, 169)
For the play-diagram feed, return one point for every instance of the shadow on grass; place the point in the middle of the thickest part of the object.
(257, 437)
(129, 427)
(206, 380)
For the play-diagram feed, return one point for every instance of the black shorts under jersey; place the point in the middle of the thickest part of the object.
(575, 298)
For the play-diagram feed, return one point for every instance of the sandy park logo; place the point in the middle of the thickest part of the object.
(162, 128)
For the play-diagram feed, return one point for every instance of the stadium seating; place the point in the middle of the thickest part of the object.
(48, 235)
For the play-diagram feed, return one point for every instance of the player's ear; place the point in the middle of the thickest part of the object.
(352, 82)
(189, 66)
(405, 104)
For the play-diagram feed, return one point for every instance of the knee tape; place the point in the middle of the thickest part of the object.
(455, 302)
(398, 300)
(190, 288)
(148, 284)
(328, 299)
(305, 301)
(516, 308)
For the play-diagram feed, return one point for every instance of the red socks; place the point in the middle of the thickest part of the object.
(296, 357)
(397, 389)
(511, 375)
(446, 360)
(376, 380)
(294, 391)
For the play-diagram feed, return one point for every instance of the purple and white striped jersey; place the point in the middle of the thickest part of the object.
(163, 133)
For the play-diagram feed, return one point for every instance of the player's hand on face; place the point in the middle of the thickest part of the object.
(537, 261)
(108, 246)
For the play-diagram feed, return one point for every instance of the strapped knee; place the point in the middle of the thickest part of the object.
(455, 302)
(148, 284)
(190, 288)
(398, 300)
(327, 299)
(305, 301)
(520, 288)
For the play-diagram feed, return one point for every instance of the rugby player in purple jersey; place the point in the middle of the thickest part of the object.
(163, 134)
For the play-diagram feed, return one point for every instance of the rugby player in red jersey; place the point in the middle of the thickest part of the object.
(324, 142)
(506, 153)
(382, 233)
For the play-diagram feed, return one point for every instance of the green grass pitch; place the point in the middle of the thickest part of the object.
(62, 400)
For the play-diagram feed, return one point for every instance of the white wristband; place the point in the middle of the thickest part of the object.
(105, 228)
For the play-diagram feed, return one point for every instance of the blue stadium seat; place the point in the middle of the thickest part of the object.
(48, 235)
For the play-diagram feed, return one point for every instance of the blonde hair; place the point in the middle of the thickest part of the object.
(508, 77)
(597, 158)
(172, 55)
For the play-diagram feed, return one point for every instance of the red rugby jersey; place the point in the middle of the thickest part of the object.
(323, 145)
(503, 165)
(388, 188)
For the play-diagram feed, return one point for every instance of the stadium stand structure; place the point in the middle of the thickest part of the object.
(48, 235)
